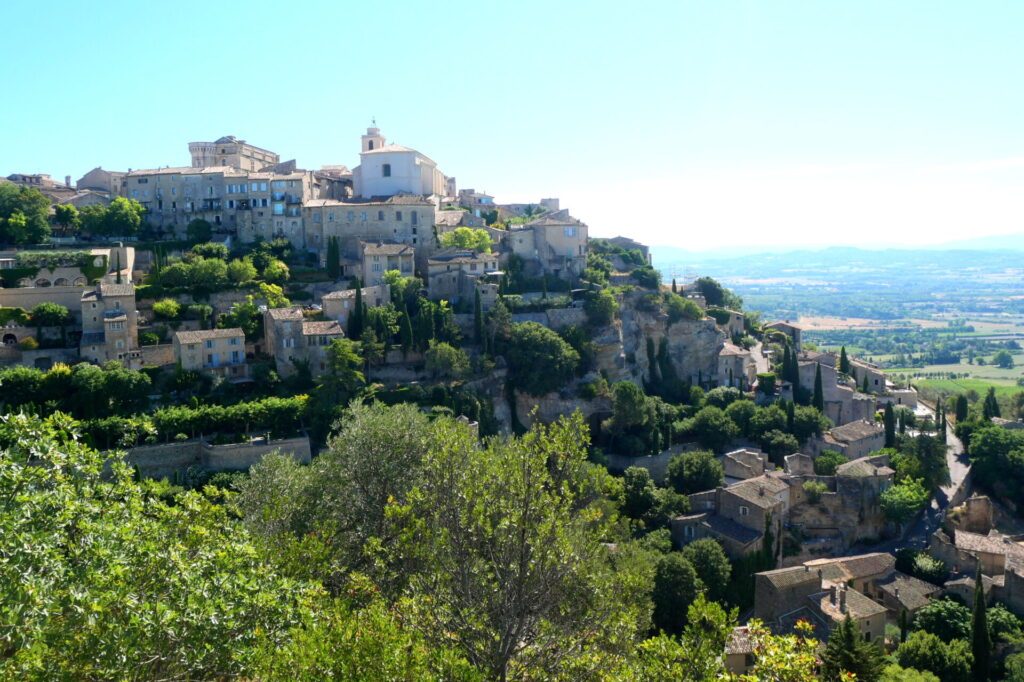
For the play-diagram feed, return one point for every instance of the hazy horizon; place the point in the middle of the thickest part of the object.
(693, 125)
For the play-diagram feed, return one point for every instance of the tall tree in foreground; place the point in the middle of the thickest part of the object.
(844, 361)
(847, 652)
(990, 408)
(818, 399)
(981, 640)
(504, 545)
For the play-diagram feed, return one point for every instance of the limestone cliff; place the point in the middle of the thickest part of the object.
(693, 345)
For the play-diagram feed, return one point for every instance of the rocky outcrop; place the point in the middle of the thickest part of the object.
(693, 345)
(554, 405)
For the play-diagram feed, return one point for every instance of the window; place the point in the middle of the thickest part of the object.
(209, 343)
(370, 147)
(234, 341)
(398, 215)
(570, 232)
(316, 217)
(362, 216)
(689, 531)
(330, 217)
(744, 511)
(415, 220)
(386, 170)
(235, 356)
(351, 216)
(119, 344)
(380, 215)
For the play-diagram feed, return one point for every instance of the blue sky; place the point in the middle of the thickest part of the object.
(696, 124)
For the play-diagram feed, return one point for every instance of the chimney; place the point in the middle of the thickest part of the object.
(842, 600)
(832, 593)
(67, 180)
(897, 592)
(760, 491)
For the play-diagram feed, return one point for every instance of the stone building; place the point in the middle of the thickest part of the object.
(338, 305)
(855, 439)
(232, 152)
(215, 351)
(824, 591)
(738, 516)
(292, 340)
(100, 180)
(385, 170)
(554, 244)
(403, 219)
(736, 367)
(793, 331)
(376, 258)
(454, 274)
(110, 328)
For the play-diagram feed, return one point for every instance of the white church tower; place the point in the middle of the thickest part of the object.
(373, 140)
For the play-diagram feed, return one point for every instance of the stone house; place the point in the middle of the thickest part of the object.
(402, 219)
(876, 379)
(385, 170)
(901, 593)
(454, 274)
(99, 180)
(736, 367)
(739, 651)
(793, 331)
(554, 244)
(824, 592)
(292, 339)
(110, 325)
(215, 351)
(377, 258)
(338, 305)
(448, 219)
(738, 516)
(744, 463)
(855, 439)
(843, 404)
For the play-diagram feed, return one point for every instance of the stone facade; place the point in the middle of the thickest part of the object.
(169, 460)
(216, 351)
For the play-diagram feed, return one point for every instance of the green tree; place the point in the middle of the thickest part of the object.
(600, 308)
(924, 651)
(24, 215)
(356, 317)
(276, 272)
(847, 652)
(199, 230)
(98, 573)
(445, 361)
(895, 673)
(981, 639)
(740, 413)
(124, 217)
(889, 419)
(827, 462)
(1003, 359)
(844, 361)
(167, 309)
(818, 398)
(905, 499)
(478, 317)
(694, 472)
(48, 314)
(504, 540)
(712, 566)
(962, 408)
(467, 238)
(273, 294)
(676, 586)
(539, 360)
(640, 494)
(66, 216)
(241, 270)
(246, 316)
(208, 274)
(946, 619)
(333, 258)
(712, 428)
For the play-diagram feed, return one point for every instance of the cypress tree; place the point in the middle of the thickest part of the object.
(990, 408)
(844, 361)
(790, 415)
(890, 426)
(674, 290)
(478, 317)
(333, 258)
(405, 331)
(654, 381)
(355, 318)
(847, 652)
(981, 641)
(818, 400)
(962, 408)
(118, 267)
(904, 625)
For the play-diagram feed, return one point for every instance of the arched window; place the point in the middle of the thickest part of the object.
(10, 340)
(60, 282)
(42, 282)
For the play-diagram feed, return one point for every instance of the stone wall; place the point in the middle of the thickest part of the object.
(657, 464)
(158, 355)
(560, 318)
(168, 460)
(552, 406)
(30, 297)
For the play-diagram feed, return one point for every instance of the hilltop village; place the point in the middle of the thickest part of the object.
(201, 318)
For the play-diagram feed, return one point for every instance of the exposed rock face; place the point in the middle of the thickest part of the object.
(693, 345)
(553, 405)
